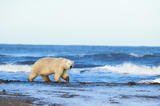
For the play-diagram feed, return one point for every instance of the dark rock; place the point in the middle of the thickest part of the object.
(3, 90)
(132, 83)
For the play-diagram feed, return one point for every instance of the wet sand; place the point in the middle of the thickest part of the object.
(15, 101)
(19, 100)
(7, 99)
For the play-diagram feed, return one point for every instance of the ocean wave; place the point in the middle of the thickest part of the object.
(4, 55)
(136, 55)
(85, 55)
(105, 55)
(26, 62)
(144, 55)
(15, 68)
(27, 68)
(82, 58)
(29, 56)
(129, 68)
(150, 81)
(125, 68)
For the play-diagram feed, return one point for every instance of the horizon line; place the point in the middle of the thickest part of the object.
(78, 45)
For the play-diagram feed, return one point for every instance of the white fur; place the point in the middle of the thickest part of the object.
(47, 66)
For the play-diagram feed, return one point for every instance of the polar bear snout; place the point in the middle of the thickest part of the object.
(72, 64)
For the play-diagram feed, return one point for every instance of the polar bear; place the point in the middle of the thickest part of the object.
(47, 66)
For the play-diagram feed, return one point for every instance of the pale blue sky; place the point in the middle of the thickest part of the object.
(83, 22)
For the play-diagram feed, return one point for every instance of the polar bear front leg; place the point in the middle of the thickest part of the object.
(32, 76)
(65, 76)
(45, 78)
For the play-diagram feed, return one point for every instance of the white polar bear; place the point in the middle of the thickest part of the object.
(48, 66)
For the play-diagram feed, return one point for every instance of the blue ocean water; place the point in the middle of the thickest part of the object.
(102, 75)
(92, 63)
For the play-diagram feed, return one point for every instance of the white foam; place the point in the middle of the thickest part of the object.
(150, 81)
(128, 68)
(140, 55)
(15, 68)
(136, 55)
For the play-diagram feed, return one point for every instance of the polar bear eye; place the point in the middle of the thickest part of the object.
(68, 63)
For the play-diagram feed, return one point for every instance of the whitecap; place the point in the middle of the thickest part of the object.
(129, 68)
(140, 55)
(150, 81)
(15, 68)
(136, 55)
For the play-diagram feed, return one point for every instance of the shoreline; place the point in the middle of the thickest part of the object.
(16, 100)
(24, 93)
(81, 83)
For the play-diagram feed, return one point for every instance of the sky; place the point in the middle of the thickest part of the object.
(80, 22)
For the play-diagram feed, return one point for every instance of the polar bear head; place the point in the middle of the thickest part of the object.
(68, 64)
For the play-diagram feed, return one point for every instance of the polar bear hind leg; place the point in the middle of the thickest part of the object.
(46, 78)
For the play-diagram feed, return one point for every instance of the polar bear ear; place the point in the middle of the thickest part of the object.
(64, 63)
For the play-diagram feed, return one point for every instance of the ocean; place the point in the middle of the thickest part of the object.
(101, 76)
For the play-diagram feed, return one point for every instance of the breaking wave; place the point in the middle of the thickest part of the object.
(116, 55)
(129, 68)
(125, 68)
(150, 81)
(15, 68)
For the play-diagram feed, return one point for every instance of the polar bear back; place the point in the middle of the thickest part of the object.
(47, 66)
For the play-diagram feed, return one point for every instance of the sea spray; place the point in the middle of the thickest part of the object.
(15, 68)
